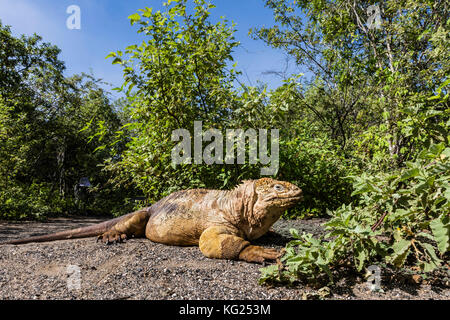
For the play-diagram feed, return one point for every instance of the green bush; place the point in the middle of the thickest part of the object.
(36, 201)
(315, 164)
(401, 216)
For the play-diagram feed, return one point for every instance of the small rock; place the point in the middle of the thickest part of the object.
(324, 292)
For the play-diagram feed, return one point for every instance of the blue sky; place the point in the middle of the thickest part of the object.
(105, 28)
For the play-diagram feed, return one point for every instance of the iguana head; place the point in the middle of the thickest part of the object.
(273, 194)
(264, 201)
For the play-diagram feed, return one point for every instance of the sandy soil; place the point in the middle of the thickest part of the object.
(140, 269)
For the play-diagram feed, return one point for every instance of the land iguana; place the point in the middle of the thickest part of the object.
(220, 222)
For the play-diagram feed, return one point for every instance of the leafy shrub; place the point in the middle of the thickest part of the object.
(402, 217)
(314, 163)
(36, 201)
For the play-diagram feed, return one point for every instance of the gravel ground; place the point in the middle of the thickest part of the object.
(140, 269)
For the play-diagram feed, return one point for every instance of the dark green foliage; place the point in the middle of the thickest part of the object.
(43, 149)
(409, 208)
(382, 94)
(317, 166)
(178, 75)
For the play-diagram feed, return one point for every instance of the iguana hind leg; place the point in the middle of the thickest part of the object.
(132, 225)
(223, 243)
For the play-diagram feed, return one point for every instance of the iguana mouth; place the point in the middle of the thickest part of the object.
(293, 198)
(297, 196)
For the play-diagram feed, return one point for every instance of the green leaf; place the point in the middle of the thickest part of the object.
(268, 273)
(431, 253)
(117, 61)
(147, 12)
(327, 270)
(362, 188)
(428, 266)
(401, 251)
(441, 232)
(411, 173)
(294, 233)
(111, 54)
(446, 152)
(134, 18)
(361, 257)
(426, 235)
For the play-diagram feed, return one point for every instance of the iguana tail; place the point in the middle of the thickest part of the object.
(84, 232)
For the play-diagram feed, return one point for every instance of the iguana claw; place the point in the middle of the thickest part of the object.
(112, 237)
(258, 254)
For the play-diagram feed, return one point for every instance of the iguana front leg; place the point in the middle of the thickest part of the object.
(223, 243)
(132, 225)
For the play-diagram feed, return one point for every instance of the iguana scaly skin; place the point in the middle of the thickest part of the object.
(220, 222)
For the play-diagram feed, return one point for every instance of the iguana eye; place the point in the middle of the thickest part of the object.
(278, 187)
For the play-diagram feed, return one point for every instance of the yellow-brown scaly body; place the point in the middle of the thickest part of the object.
(220, 222)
